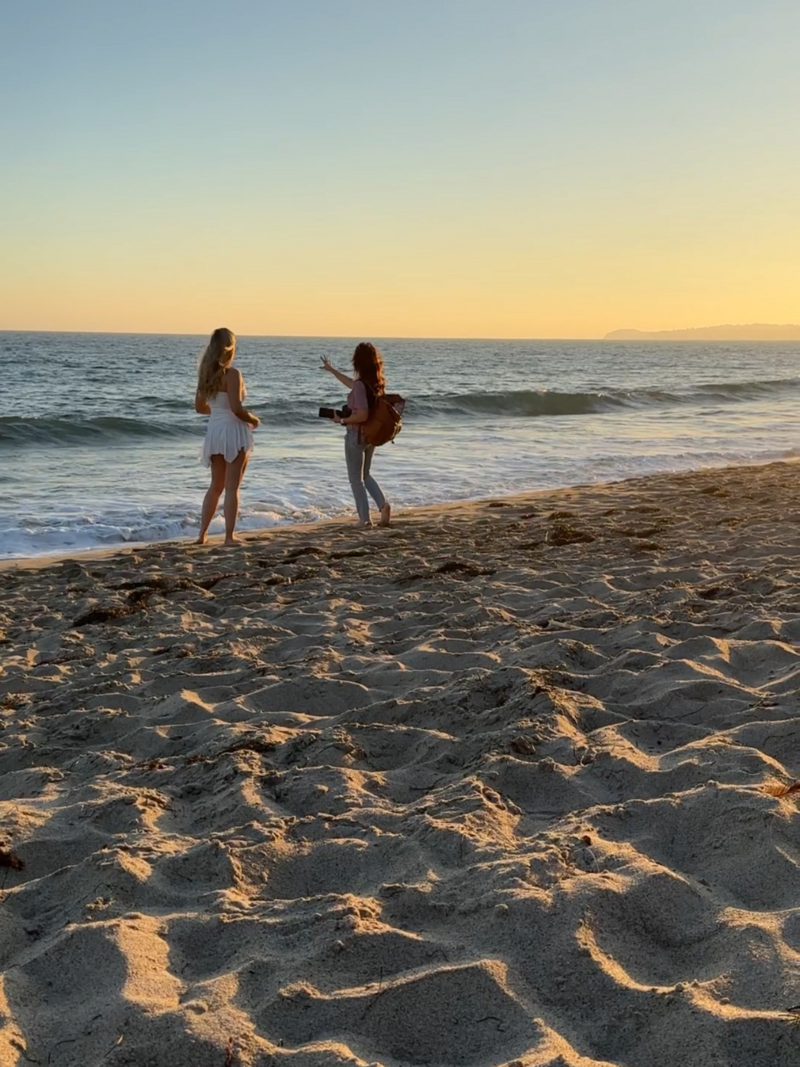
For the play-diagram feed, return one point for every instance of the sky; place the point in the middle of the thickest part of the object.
(390, 168)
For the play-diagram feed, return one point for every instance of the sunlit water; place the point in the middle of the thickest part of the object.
(99, 439)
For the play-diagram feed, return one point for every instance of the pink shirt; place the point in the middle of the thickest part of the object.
(357, 399)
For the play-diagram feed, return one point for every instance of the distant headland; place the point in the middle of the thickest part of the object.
(756, 331)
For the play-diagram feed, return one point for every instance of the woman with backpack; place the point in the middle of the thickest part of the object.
(366, 388)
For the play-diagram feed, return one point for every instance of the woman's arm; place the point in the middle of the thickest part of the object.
(327, 365)
(235, 390)
(201, 404)
(353, 419)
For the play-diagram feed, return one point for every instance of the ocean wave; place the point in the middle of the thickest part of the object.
(747, 390)
(543, 403)
(523, 403)
(157, 420)
(18, 430)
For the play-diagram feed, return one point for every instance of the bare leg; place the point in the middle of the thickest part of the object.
(211, 500)
(233, 479)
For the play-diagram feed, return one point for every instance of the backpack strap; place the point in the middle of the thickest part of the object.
(371, 394)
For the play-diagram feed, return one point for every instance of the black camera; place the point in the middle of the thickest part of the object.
(328, 413)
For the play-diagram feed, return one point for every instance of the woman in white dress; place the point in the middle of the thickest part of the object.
(229, 439)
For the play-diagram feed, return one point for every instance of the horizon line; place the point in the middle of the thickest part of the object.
(428, 337)
(308, 336)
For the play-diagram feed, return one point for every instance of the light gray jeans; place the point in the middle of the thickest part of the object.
(359, 459)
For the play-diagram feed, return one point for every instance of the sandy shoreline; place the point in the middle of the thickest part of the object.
(498, 785)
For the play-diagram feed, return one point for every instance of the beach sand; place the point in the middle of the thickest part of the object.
(510, 782)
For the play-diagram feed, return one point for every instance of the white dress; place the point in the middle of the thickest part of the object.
(226, 435)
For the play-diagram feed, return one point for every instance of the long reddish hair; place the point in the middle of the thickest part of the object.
(368, 365)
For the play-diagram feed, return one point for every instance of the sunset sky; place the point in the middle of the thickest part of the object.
(502, 168)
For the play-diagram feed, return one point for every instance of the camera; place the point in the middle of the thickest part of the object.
(328, 413)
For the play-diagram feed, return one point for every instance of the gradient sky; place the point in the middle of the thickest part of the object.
(502, 168)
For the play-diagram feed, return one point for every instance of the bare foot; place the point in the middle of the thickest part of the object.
(201, 540)
(386, 514)
(364, 525)
(232, 541)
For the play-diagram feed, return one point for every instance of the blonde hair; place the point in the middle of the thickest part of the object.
(216, 359)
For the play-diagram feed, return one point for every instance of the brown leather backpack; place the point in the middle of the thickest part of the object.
(385, 419)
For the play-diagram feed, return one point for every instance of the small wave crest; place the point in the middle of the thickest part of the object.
(542, 403)
(17, 430)
(524, 403)
(734, 391)
(157, 421)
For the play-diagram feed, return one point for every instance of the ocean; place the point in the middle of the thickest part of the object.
(99, 439)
